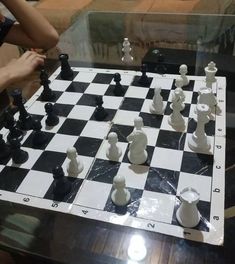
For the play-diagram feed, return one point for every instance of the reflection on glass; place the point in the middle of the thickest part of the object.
(137, 250)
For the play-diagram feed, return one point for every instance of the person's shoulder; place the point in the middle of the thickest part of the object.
(5, 25)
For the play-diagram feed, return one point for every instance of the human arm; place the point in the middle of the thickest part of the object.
(19, 68)
(32, 30)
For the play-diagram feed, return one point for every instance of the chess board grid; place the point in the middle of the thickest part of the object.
(215, 236)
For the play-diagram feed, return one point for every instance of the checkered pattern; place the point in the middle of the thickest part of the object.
(154, 186)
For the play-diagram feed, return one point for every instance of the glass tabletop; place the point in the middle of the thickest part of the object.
(163, 42)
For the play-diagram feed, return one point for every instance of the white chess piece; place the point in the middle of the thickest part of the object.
(120, 196)
(113, 152)
(138, 142)
(210, 71)
(127, 58)
(157, 106)
(183, 71)
(179, 85)
(188, 214)
(176, 120)
(74, 166)
(199, 141)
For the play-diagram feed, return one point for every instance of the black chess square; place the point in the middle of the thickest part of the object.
(103, 171)
(132, 104)
(209, 127)
(72, 127)
(103, 78)
(77, 87)
(57, 96)
(171, 139)
(162, 181)
(196, 163)
(131, 208)
(29, 141)
(122, 131)
(188, 87)
(48, 161)
(184, 112)
(164, 93)
(87, 146)
(151, 120)
(136, 82)
(110, 115)
(75, 73)
(194, 98)
(11, 178)
(63, 109)
(68, 198)
(87, 99)
(110, 89)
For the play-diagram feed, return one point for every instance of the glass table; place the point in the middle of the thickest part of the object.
(95, 40)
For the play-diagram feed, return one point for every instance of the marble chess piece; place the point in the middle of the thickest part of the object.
(120, 196)
(75, 166)
(157, 105)
(183, 70)
(113, 151)
(126, 49)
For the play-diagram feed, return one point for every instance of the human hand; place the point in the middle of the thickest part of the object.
(20, 68)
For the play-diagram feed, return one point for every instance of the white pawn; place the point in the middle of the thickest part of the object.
(179, 85)
(198, 141)
(183, 71)
(188, 214)
(210, 71)
(127, 58)
(138, 142)
(176, 120)
(113, 152)
(120, 196)
(74, 166)
(157, 106)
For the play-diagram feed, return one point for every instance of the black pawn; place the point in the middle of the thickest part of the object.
(19, 156)
(100, 113)
(25, 121)
(39, 137)
(144, 80)
(118, 89)
(66, 71)
(61, 185)
(47, 94)
(52, 118)
(5, 150)
(14, 131)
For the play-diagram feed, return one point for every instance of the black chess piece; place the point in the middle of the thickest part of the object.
(5, 150)
(100, 113)
(47, 94)
(39, 137)
(144, 80)
(10, 123)
(118, 88)
(52, 118)
(66, 71)
(25, 121)
(19, 156)
(61, 185)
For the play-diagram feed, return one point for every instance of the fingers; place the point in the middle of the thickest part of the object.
(32, 55)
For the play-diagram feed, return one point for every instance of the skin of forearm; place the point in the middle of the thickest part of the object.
(35, 26)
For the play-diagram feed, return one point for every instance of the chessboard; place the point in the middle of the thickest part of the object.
(154, 186)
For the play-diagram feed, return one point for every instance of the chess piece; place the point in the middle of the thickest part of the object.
(179, 85)
(52, 118)
(47, 94)
(39, 137)
(66, 71)
(118, 89)
(157, 106)
(127, 58)
(144, 80)
(120, 196)
(19, 156)
(210, 71)
(74, 166)
(100, 113)
(138, 142)
(199, 142)
(176, 119)
(183, 70)
(113, 152)
(5, 149)
(188, 214)
(61, 185)
(25, 121)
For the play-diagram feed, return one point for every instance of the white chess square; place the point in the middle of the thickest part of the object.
(124, 117)
(69, 98)
(93, 194)
(59, 85)
(95, 129)
(97, 88)
(112, 102)
(188, 96)
(135, 175)
(170, 159)
(200, 183)
(152, 135)
(60, 143)
(37, 108)
(135, 92)
(146, 106)
(166, 126)
(126, 79)
(1, 167)
(36, 183)
(164, 83)
(86, 77)
(156, 206)
(81, 112)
